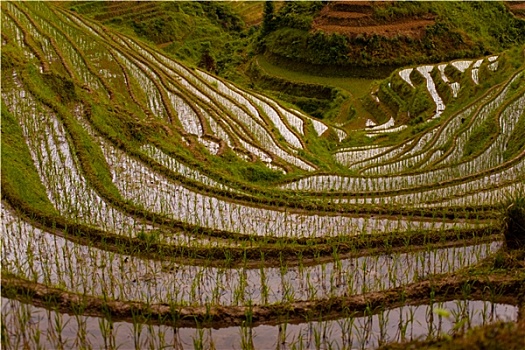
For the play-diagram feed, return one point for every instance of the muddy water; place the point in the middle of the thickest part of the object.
(23, 322)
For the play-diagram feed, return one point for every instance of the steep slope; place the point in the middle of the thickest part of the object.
(158, 203)
(206, 33)
(371, 34)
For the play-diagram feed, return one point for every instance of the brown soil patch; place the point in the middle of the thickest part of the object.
(132, 9)
(517, 8)
(413, 29)
(163, 45)
(516, 5)
(356, 18)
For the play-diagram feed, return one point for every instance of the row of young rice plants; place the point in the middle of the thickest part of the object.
(66, 185)
(405, 323)
(44, 257)
(190, 202)
(463, 117)
(509, 178)
(113, 74)
(147, 79)
(186, 80)
(425, 141)
(509, 117)
(240, 107)
(195, 207)
(36, 28)
(507, 120)
(245, 260)
(52, 153)
(252, 121)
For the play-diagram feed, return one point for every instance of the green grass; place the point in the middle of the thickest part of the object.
(19, 174)
(251, 11)
(185, 29)
(513, 212)
(516, 142)
(349, 111)
(90, 155)
(253, 185)
(481, 137)
(358, 87)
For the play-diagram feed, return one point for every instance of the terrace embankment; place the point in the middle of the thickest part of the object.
(395, 324)
(138, 188)
(357, 18)
(497, 288)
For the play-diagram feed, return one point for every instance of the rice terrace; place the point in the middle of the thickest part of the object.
(263, 175)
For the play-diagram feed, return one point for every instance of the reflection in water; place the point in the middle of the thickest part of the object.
(29, 325)
(56, 261)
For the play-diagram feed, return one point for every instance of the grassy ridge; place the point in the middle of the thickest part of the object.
(19, 174)
(344, 107)
(413, 106)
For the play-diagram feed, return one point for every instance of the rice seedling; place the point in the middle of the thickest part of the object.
(149, 204)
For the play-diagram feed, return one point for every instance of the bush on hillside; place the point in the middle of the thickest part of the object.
(514, 222)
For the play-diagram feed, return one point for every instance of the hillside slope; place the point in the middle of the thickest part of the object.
(390, 33)
(208, 34)
(147, 203)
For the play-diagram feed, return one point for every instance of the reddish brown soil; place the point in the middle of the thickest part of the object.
(356, 18)
(517, 8)
(517, 5)
(412, 29)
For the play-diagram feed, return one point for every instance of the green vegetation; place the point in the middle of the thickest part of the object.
(340, 106)
(148, 202)
(194, 31)
(504, 336)
(413, 106)
(514, 221)
(481, 137)
(516, 140)
(213, 36)
(251, 11)
(19, 175)
(357, 86)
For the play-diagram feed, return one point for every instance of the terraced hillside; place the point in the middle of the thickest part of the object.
(355, 18)
(208, 33)
(149, 204)
(373, 34)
